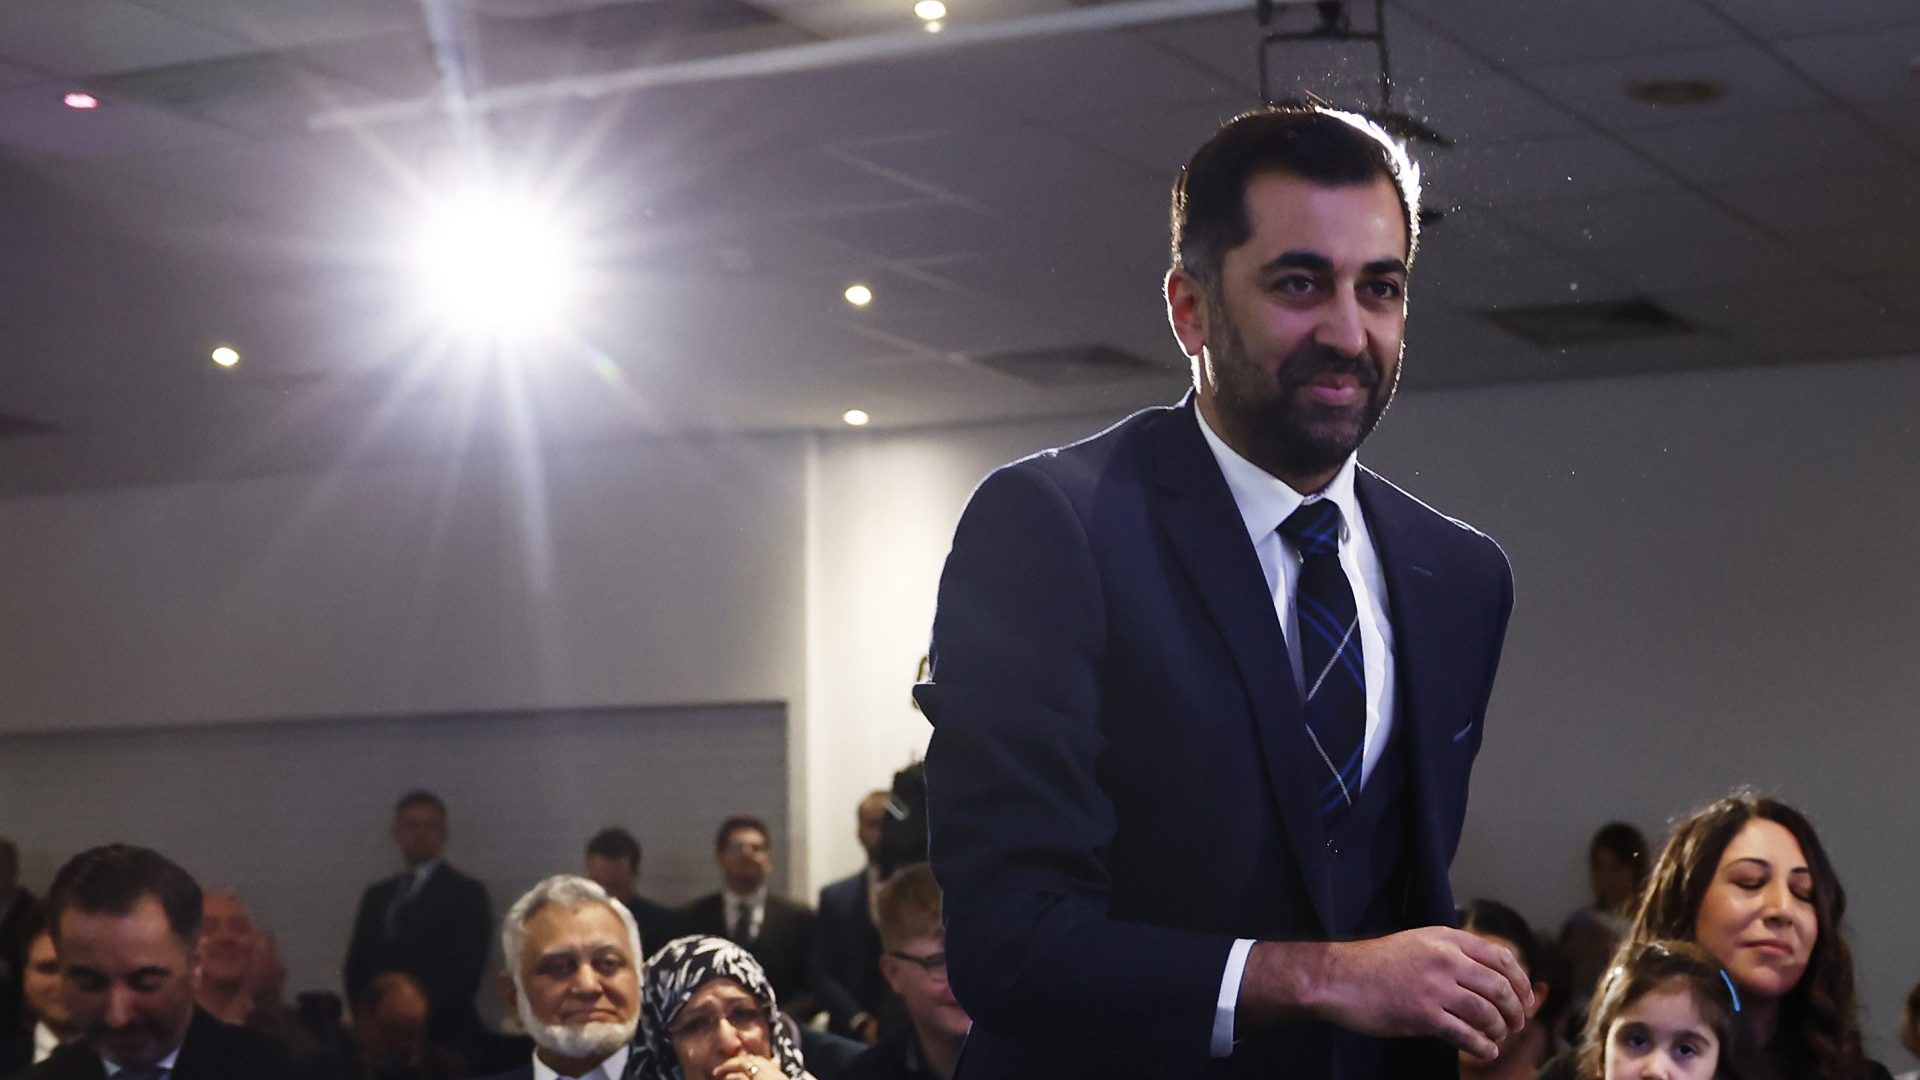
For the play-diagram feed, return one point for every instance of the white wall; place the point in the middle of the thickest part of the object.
(1715, 587)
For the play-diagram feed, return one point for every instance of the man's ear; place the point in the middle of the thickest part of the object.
(1187, 311)
(509, 998)
(890, 971)
(1540, 991)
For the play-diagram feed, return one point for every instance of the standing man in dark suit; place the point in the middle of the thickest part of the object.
(846, 946)
(613, 863)
(777, 931)
(1206, 693)
(18, 911)
(126, 922)
(430, 921)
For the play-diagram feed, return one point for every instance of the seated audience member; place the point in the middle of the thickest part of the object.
(226, 954)
(1617, 867)
(45, 1024)
(1747, 880)
(1910, 1030)
(1666, 1011)
(19, 912)
(711, 1014)
(777, 931)
(390, 1036)
(573, 955)
(1524, 1051)
(613, 863)
(914, 964)
(126, 924)
(429, 920)
(846, 948)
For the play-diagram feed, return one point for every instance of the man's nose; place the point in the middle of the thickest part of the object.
(1342, 326)
(120, 1007)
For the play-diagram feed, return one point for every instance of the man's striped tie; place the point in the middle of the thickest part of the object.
(1330, 660)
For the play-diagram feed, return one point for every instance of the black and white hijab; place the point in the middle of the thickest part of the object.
(681, 967)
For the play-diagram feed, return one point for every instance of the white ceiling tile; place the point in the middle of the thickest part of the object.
(1863, 66)
(1898, 296)
(1855, 253)
(287, 24)
(1798, 18)
(1765, 148)
(1529, 34)
(924, 229)
(98, 37)
(1487, 107)
(1503, 174)
(1001, 164)
(33, 117)
(1661, 263)
(1158, 140)
(1084, 73)
(1755, 83)
(1898, 120)
(1755, 313)
(1674, 216)
(1885, 201)
(1473, 261)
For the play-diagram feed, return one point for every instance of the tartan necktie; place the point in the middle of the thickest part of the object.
(1335, 694)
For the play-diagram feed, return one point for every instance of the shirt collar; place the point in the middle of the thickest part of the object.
(45, 1042)
(164, 1063)
(1265, 500)
(421, 873)
(609, 1069)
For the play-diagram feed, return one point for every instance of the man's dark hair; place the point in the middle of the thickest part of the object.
(614, 842)
(111, 880)
(1325, 146)
(735, 824)
(420, 797)
(1626, 843)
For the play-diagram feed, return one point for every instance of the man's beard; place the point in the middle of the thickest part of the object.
(595, 1040)
(1274, 421)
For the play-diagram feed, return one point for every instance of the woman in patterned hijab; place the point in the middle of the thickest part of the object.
(709, 1014)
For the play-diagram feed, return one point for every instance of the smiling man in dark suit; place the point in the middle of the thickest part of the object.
(430, 921)
(126, 922)
(1206, 692)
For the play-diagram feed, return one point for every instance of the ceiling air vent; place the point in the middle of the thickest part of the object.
(1590, 322)
(1076, 365)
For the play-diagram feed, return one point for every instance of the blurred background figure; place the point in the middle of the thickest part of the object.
(19, 914)
(573, 961)
(430, 921)
(776, 930)
(846, 947)
(1910, 1030)
(390, 1040)
(613, 863)
(1617, 867)
(227, 942)
(1523, 1052)
(914, 964)
(45, 1023)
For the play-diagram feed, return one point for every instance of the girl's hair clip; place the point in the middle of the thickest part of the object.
(1731, 992)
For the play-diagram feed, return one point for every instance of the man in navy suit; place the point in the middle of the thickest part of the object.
(430, 921)
(1206, 693)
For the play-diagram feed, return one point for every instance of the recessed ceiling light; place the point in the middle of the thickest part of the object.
(933, 26)
(1676, 91)
(78, 100)
(225, 356)
(859, 295)
(930, 10)
(856, 417)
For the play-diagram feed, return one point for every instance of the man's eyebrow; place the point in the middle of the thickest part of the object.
(1298, 259)
(1385, 266)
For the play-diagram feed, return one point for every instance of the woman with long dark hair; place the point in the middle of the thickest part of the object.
(1747, 879)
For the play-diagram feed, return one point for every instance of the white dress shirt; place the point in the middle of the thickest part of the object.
(609, 1069)
(165, 1063)
(1264, 501)
(45, 1042)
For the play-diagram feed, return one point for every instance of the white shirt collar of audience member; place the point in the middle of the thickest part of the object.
(609, 1069)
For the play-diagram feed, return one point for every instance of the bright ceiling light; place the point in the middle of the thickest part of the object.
(930, 10)
(933, 26)
(856, 417)
(494, 263)
(78, 100)
(859, 295)
(225, 356)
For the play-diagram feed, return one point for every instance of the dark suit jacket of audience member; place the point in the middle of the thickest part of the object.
(524, 1072)
(783, 948)
(895, 1057)
(658, 923)
(846, 954)
(443, 937)
(16, 1051)
(212, 1051)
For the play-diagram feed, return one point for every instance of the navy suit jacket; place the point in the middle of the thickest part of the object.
(1119, 780)
(846, 953)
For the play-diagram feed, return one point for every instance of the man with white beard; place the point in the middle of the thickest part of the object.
(574, 956)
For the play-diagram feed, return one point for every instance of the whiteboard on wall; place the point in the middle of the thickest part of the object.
(294, 815)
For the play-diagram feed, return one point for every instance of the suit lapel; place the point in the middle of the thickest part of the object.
(1208, 534)
(1417, 608)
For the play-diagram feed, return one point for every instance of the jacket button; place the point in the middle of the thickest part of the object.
(1333, 849)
